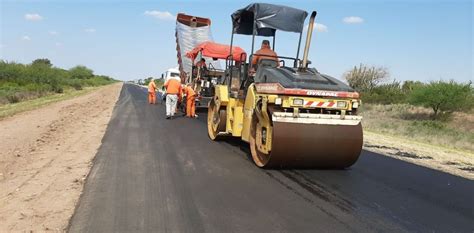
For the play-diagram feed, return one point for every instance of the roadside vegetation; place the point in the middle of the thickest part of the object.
(7, 110)
(413, 122)
(159, 82)
(20, 82)
(437, 112)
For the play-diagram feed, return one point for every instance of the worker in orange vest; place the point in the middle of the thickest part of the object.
(190, 101)
(265, 52)
(173, 92)
(152, 92)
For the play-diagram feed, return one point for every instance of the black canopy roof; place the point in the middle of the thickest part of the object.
(268, 18)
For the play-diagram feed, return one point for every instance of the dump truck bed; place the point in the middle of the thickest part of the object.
(190, 32)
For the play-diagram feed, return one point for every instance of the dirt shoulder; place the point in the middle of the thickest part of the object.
(45, 155)
(456, 162)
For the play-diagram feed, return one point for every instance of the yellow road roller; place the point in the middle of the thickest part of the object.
(291, 115)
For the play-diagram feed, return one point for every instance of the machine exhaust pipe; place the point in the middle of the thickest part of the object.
(304, 64)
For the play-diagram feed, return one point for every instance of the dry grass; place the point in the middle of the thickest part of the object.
(414, 123)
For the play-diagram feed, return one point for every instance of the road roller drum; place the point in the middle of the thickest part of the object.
(309, 146)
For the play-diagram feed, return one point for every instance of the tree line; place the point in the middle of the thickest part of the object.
(443, 97)
(20, 82)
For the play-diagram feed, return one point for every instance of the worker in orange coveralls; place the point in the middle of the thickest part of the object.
(190, 101)
(201, 63)
(201, 68)
(173, 92)
(264, 53)
(152, 92)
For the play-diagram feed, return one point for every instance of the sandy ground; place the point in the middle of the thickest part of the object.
(460, 163)
(45, 155)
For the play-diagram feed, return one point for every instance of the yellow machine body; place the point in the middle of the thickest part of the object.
(267, 123)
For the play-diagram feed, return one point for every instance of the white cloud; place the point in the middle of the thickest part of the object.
(58, 44)
(2, 46)
(90, 30)
(33, 17)
(353, 20)
(53, 33)
(318, 26)
(25, 38)
(163, 15)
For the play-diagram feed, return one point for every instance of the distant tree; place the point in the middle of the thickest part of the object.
(364, 78)
(147, 80)
(105, 77)
(409, 86)
(387, 93)
(43, 62)
(443, 97)
(159, 82)
(81, 72)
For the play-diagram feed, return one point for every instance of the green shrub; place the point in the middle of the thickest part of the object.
(443, 97)
(36, 87)
(385, 94)
(97, 81)
(76, 86)
(20, 82)
(42, 62)
(56, 88)
(13, 98)
(81, 72)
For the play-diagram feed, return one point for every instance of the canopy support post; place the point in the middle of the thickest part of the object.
(230, 52)
(274, 35)
(253, 35)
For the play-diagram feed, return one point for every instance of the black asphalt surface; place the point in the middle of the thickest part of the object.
(157, 175)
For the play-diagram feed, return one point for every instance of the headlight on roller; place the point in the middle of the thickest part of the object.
(355, 104)
(341, 104)
(278, 101)
(297, 101)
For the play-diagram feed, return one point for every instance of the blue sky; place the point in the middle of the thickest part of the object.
(415, 40)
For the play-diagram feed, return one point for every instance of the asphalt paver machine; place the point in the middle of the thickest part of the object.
(204, 78)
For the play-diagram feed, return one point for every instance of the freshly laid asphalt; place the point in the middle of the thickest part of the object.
(158, 175)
